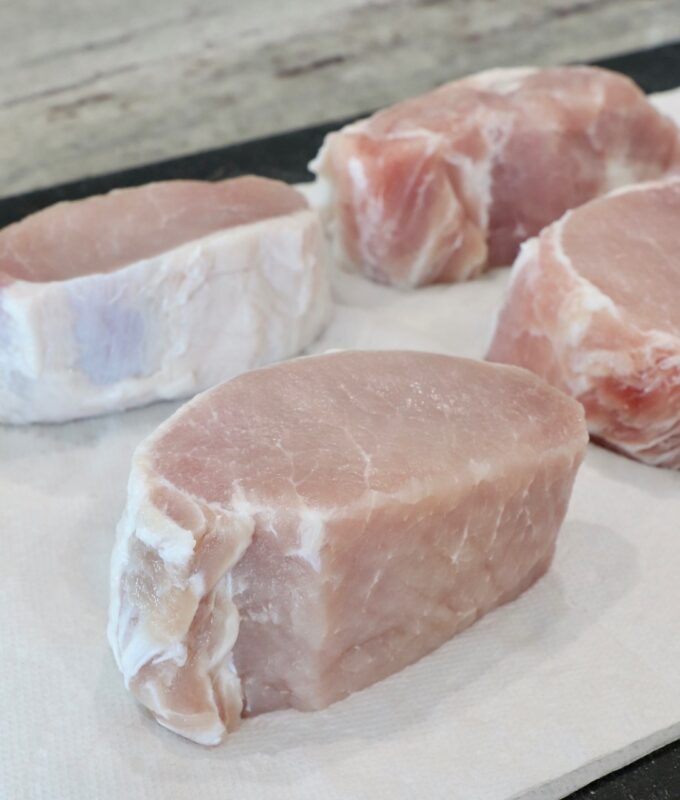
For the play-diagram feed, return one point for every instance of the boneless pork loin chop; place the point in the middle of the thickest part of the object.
(439, 187)
(306, 529)
(594, 307)
(154, 292)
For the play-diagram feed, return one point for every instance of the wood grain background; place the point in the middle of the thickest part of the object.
(89, 86)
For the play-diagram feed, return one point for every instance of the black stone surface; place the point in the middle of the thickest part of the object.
(285, 156)
(656, 777)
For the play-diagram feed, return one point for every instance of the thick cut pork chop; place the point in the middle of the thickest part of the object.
(306, 529)
(436, 188)
(154, 292)
(594, 307)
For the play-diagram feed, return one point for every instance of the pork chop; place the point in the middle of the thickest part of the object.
(154, 292)
(439, 187)
(309, 528)
(594, 307)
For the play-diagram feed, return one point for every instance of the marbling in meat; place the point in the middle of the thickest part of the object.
(594, 307)
(439, 187)
(154, 292)
(306, 529)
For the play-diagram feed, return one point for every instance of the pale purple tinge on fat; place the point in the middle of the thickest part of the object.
(593, 307)
(154, 293)
(309, 528)
(437, 188)
(110, 337)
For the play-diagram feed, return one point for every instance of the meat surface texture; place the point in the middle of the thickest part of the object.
(154, 292)
(594, 307)
(306, 529)
(439, 187)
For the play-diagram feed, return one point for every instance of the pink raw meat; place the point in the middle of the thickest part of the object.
(594, 307)
(128, 225)
(439, 187)
(306, 529)
(154, 292)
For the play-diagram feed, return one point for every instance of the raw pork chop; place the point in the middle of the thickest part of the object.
(154, 292)
(439, 187)
(306, 529)
(594, 307)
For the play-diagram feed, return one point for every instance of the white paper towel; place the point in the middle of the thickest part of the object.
(576, 678)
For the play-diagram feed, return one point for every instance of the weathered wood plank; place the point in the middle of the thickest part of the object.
(88, 87)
